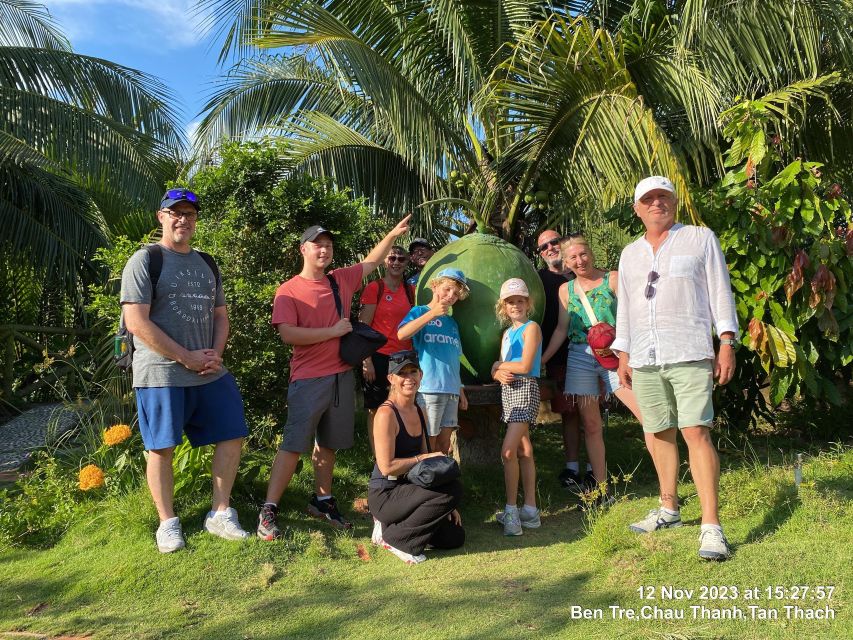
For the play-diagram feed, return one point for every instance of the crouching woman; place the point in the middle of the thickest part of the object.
(408, 517)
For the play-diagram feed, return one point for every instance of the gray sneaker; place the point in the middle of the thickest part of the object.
(511, 522)
(656, 519)
(225, 525)
(169, 536)
(527, 521)
(713, 545)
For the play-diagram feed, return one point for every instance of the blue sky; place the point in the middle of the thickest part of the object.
(159, 37)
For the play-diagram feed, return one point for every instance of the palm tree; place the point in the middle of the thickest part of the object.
(518, 112)
(85, 145)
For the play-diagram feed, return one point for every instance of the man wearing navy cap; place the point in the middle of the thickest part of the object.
(172, 303)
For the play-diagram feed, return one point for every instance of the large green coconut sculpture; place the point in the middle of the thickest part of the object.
(487, 261)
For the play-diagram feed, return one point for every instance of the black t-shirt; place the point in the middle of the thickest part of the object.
(552, 282)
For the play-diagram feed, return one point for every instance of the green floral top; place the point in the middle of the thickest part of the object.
(603, 303)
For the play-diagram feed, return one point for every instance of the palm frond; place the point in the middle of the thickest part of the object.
(29, 24)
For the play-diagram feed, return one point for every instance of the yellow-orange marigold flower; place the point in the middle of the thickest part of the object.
(91, 477)
(116, 434)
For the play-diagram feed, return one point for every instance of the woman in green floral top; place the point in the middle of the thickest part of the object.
(584, 374)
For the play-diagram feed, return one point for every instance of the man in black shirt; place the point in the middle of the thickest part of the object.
(553, 275)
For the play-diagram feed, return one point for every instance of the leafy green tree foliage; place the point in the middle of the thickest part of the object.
(522, 113)
(84, 143)
(788, 240)
(251, 220)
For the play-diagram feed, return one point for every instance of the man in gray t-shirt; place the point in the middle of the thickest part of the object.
(180, 328)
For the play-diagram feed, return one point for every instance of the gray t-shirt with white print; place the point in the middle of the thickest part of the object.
(183, 309)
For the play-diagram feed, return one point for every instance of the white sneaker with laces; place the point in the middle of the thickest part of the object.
(713, 545)
(656, 519)
(528, 520)
(225, 525)
(408, 558)
(376, 536)
(169, 536)
(511, 522)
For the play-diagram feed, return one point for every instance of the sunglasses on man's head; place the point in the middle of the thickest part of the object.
(181, 194)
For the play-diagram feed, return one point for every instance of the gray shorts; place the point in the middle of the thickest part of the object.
(322, 410)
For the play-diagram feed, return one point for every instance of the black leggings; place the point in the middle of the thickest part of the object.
(413, 517)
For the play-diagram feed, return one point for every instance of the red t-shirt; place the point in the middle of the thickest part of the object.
(389, 312)
(310, 304)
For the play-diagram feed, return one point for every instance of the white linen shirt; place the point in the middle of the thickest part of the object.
(692, 293)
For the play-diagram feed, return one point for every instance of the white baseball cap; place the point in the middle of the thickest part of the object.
(650, 184)
(514, 287)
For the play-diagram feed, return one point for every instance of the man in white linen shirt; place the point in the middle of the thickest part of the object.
(673, 287)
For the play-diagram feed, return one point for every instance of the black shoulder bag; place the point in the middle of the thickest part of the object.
(431, 473)
(360, 343)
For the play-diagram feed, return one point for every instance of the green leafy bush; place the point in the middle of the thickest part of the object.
(788, 242)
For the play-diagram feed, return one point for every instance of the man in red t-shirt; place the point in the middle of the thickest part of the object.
(320, 396)
(384, 303)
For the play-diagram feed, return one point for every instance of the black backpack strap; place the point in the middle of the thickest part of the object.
(381, 291)
(155, 266)
(213, 266)
(410, 292)
(334, 284)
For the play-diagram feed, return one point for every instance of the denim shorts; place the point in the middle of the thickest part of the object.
(207, 413)
(583, 373)
(441, 409)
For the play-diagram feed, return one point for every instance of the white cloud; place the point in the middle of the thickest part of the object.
(160, 25)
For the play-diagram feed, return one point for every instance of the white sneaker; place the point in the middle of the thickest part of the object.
(408, 558)
(713, 545)
(169, 536)
(511, 522)
(225, 525)
(656, 519)
(376, 536)
(528, 520)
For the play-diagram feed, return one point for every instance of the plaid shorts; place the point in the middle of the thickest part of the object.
(520, 400)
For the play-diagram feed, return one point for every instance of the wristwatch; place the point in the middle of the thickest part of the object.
(729, 341)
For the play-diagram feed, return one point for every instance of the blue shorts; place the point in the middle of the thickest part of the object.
(208, 413)
(583, 373)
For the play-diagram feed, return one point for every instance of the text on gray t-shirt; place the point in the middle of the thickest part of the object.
(183, 308)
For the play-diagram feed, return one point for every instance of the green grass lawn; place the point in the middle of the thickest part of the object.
(105, 578)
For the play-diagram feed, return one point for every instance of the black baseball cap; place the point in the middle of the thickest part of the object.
(174, 196)
(311, 234)
(419, 242)
(397, 361)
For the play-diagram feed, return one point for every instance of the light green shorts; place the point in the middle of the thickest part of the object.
(675, 395)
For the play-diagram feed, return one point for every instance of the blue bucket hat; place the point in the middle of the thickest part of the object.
(454, 274)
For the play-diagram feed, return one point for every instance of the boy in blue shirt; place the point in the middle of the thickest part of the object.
(435, 336)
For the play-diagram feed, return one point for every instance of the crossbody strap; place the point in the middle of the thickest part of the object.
(334, 285)
(582, 296)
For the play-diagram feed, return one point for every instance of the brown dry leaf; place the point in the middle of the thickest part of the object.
(363, 553)
(41, 606)
(360, 505)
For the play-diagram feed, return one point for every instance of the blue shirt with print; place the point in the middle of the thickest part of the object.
(439, 348)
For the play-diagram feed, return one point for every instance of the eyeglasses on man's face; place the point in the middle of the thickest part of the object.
(177, 215)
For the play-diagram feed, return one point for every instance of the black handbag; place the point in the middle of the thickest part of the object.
(431, 473)
(363, 341)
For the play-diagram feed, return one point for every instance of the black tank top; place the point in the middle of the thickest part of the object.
(405, 446)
